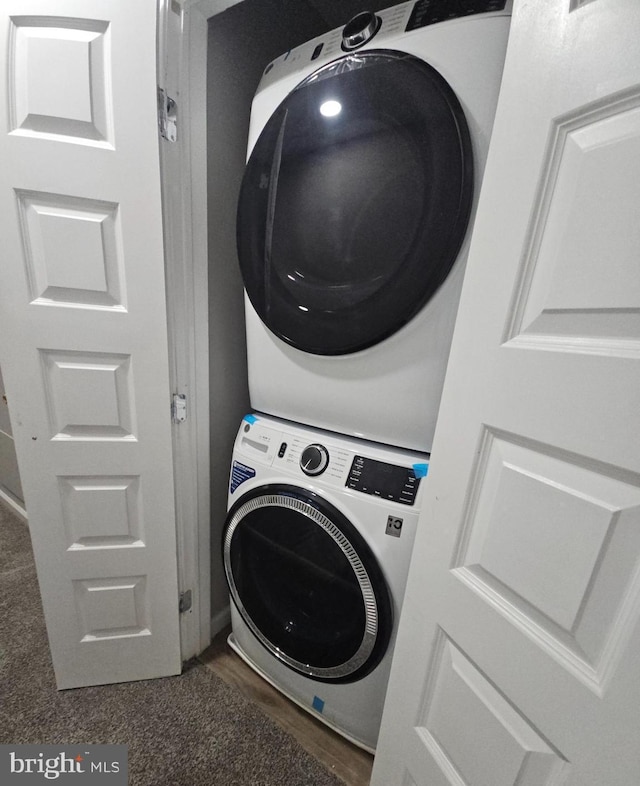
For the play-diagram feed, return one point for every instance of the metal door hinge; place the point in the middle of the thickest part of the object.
(179, 408)
(185, 602)
(167, 116)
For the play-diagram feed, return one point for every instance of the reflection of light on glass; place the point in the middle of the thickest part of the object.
(330, 108)
(303, 308)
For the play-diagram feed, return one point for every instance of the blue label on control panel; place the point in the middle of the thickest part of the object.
(421, 470)
(240, 473)
(317, 704)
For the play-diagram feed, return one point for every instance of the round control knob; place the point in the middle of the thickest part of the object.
(314, 459)
(359, 30)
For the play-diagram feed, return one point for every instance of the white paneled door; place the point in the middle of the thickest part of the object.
(83, 338)
(518, 655)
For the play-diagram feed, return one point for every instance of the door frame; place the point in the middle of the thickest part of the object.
(182, 58)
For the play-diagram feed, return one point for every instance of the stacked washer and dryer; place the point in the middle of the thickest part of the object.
(367, 147)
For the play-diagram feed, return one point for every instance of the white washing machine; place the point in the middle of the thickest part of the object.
(366, 153)
(316, 549)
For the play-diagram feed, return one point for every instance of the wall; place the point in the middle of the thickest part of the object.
(9, 475)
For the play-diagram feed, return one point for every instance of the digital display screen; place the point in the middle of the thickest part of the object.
(428, 12)
(388, 481)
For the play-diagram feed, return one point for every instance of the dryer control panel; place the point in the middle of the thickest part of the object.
(428, 12)
(381, 29)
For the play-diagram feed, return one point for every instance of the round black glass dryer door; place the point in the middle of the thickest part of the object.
(355, 202)
(306, 583)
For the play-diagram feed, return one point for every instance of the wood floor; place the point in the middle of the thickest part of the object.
(348, 762)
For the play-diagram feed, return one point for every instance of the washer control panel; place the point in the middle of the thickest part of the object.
(387, 481)
(339, 463)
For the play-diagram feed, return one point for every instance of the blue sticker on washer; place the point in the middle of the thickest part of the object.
(250, 419)
(421, 470)
(317, 704)
(240, 473)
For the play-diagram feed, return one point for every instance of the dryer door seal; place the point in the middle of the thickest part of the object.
(306, 583)
(355, 202)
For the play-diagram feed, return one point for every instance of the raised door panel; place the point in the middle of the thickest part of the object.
(581, 287)
(73, 251)
(552, 544)
(60, 78)
(467, 725)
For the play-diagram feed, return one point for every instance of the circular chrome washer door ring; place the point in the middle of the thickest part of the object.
(364, 651)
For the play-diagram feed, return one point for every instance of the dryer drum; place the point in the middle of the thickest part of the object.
(355, 202)
(306, 583)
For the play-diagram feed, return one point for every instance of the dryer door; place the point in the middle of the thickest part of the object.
(355, 202)
(306, 583)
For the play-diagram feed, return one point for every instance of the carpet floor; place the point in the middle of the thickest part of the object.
(189, 730)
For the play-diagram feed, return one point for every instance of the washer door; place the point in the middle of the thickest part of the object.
(306, 583)
(355, 202)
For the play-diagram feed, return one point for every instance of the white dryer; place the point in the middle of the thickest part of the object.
(316, 549)
(366, 153)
